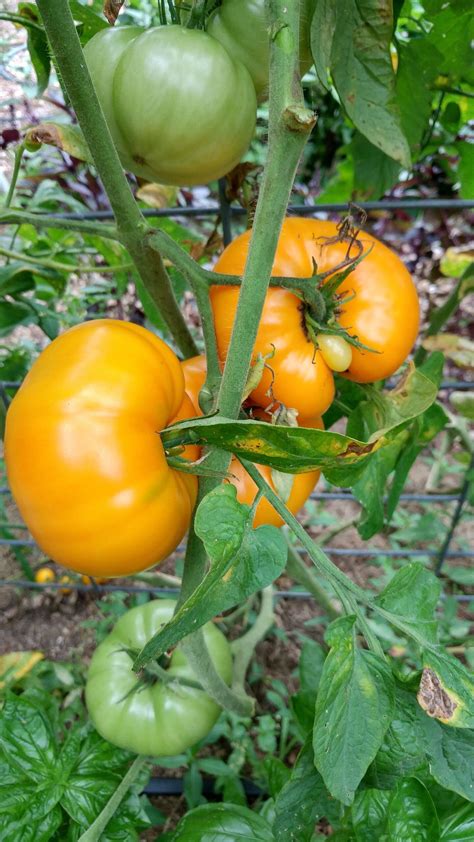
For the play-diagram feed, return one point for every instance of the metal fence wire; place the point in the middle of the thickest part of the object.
(227, 213)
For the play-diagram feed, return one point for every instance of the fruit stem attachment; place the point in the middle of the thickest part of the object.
(61, 31)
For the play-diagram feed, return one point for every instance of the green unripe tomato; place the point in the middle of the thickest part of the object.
(242, 27)
(335, 351)
(156, 719)
(180, 109)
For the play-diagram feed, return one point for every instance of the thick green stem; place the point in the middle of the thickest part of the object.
(244, 647)
(285, 146)
(43, 220)
(297, 569)
(94, 833)
(196, 652)
(289, 127)
(60, 29)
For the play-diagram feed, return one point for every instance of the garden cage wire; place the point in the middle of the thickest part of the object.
(226, 212)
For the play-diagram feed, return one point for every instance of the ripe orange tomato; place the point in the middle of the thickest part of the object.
(383, 313)
(83, 453)
(194, 371)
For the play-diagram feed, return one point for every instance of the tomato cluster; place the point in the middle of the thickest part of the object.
(375, 306)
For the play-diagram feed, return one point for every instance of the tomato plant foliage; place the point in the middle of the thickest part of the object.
(125, 454)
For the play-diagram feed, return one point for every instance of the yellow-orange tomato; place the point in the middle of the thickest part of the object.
(194, 371)
(383, 314)
(83, 453)
(44, 575)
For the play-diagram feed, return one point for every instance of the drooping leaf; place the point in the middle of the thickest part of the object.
(352, 40)
(37, 46)
(297, 449)
(67, 137)
(354, 708)
(243, 561)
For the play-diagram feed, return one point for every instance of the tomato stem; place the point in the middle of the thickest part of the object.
(244, 647)
(61, 31)
(95, 831)
(43, 220)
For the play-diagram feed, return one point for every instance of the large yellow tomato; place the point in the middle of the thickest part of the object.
(379, 307)
(83, 453)
(194, 371)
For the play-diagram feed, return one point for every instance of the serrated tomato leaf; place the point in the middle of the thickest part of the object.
(413, 594)
(354, 708)
(243, 561)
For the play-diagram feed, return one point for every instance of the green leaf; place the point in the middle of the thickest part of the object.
(30, 828)
(459, 826)
(413, 594)
(221, 523)
(452, 35)
(222, 823)
(354, 708)
(90, 22)
(277, 774)
(447, 689)
(450, 754)
(352, 39)
(14, 313)
(369, 814)
(94, 770)
(37, 47)
(412, 814)
(417, 69)
(374, 172)
(243, 561)
(297, 449)
(26, 737)
(466, 168)
(16, 278)
(402, 751)
(310, 669)
(302, 801)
